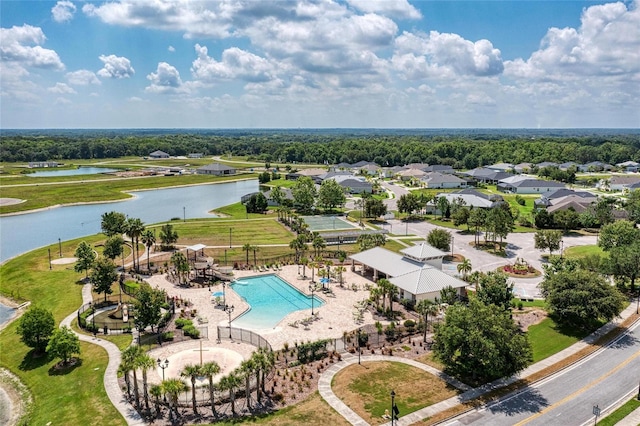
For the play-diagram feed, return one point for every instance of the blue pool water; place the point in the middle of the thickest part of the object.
(270, 299)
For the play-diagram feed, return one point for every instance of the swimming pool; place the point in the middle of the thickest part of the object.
(270, 299)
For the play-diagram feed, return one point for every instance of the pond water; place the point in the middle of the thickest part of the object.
(25, 232)
(5, 313)
(72, 172)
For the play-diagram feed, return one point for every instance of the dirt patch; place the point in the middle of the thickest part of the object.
(529, 316)
(10, 201)
(64, 260)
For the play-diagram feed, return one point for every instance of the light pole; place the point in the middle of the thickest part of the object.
(59, 248)
(224, 294)
(184, 214)
(393, 404)
(49, 259)
(312, 289)
(163, 364)
(229, 310)
(358, 346)
(230, 237)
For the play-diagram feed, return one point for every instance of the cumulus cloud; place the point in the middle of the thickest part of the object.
(607, 43)
(63, 11)
(171, 49)
(166, 79)
(82, 78)
(235, 64)
(62, 89)
(443, 54)
(22, 45)
(116, 67)
(400, 9)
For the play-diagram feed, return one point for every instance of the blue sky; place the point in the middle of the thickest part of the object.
(324, 63)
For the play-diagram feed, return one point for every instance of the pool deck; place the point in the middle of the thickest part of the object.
(335, 316)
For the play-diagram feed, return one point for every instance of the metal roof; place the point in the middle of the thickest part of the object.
(426, 280)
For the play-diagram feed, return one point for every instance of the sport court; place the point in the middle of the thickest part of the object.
(327, 223)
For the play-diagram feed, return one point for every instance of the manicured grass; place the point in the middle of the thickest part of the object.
(582, 251)
(77, 394)
(215, 232)
(97, 190)
(613, 418)
(365, 389)
(282, 182)
(547, 338)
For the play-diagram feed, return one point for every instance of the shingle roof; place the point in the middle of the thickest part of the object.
(435, 177)
(531, 183)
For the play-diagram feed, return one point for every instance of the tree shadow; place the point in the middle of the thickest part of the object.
(60, 369)
(529, 400)
(33, 360)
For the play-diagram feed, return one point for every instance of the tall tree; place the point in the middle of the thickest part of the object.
(633, 206)
(494, 288)
(63, 344)
(374, 207)
(113, 223)
(168, 236)
(477, 220)
(277, 195)
(331, 195)
(181, 264)
(427, 308)
(135, 228)
(619, 233)
(145, 363)
(113, 247)
(464, 268)
(443, 205)
(148, 239)
(247, 248)
(579, 298)
(624, 261)
(192, 371)
(548, 239)
(148, 306)
(408, 203)
(130, 358)
(173, 388)
(318, 243)
(480, 341)
(103, 275)
(304, 194)
(35, 327)
(86, 256)
(210, 369)
(440, 239)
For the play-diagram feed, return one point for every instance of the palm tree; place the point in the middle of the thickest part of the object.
(134, 228)
(246, 247)
(312, 264)
(156, 393)
(340, 270)
(385, 289)
(145, 362)
(255, 250)
(375, 294)
(426, 307)
(247, 367)
(130, 358)
(192, 371)
(230, 382)
(304, 262)
(318, 243)
(259, 361)
(210, 369)
(268, 360)
(148, 239)
(464, 267)
(124, 369)
(173, 388)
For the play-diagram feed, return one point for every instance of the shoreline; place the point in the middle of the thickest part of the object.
(128, 192)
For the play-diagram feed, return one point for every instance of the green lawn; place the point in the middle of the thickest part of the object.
(547, 338)
(56, 394)
(97, 190)
(582, 251)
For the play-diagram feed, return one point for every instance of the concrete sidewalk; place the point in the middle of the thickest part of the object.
(324, 385)
(110, 379)
(633, 419)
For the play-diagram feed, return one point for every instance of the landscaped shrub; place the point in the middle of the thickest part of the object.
(183, 322)
(520, 200)
(167, 335)
(191, 330)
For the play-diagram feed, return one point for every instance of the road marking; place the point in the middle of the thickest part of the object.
(579, 391)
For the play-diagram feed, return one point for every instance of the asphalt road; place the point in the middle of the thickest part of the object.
(568, 398)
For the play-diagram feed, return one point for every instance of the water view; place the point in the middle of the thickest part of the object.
(72, 172)
(5, 313)
(25, 232)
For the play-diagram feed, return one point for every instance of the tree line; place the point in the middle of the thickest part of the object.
(459, 151)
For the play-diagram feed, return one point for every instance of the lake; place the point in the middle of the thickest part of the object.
(5, 313)
(25, 232)
(72, 172)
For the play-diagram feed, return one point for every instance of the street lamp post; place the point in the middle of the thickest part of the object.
(229, 310)
(224, 294)
(312, 289)
(49, 259)
(359, 350)
(163, 364)
(59, 248)
(230, 237)
(393, 404)
(184, 214)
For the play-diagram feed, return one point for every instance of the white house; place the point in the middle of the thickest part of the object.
(531, 186)
(442, 180)
(216, 169)
(621, 183)
(158, 154)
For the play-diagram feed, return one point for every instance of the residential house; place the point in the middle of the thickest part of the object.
(595, 166)
(531, 186)
(482, 174)
(216, 169)
(314, 173)
(573, 202)
(473, 198)
(411, 174)
(547, 199)
(158, 154)
(621, 183)
(353, 184)
(629, 166)
(566, 166)
(371, 169)
(442, 180)
(523, 168)
(546, 164)
(195, 155)
(440, 168)
(500, 167)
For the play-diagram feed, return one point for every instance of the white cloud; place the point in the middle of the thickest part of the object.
(400, 9)
(443, 54)
(116, 67)
(607, 43)
(63, 11)
(166, 79)
(171, 49)
(62, 101)
(62, 89)
(21, 45)
(82, 78)
(235, 64)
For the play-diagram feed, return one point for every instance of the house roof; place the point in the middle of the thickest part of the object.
(523, 166)
(624, 180)
(352, 182)
(426, 280)
(311, 172)
(438, 168)
(435, 177)
(423, 251)
(484, 173)
(158, 153)
(363, 163)
(386, 261)
(471, 198)
(628, 164)
(546, 164)
(513, 179)
(216, 167)
(412, 173)
(532, 183)
(578, 204)
(500, 166)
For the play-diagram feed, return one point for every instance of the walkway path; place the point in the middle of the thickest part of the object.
(110, 380)
(324, 384)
